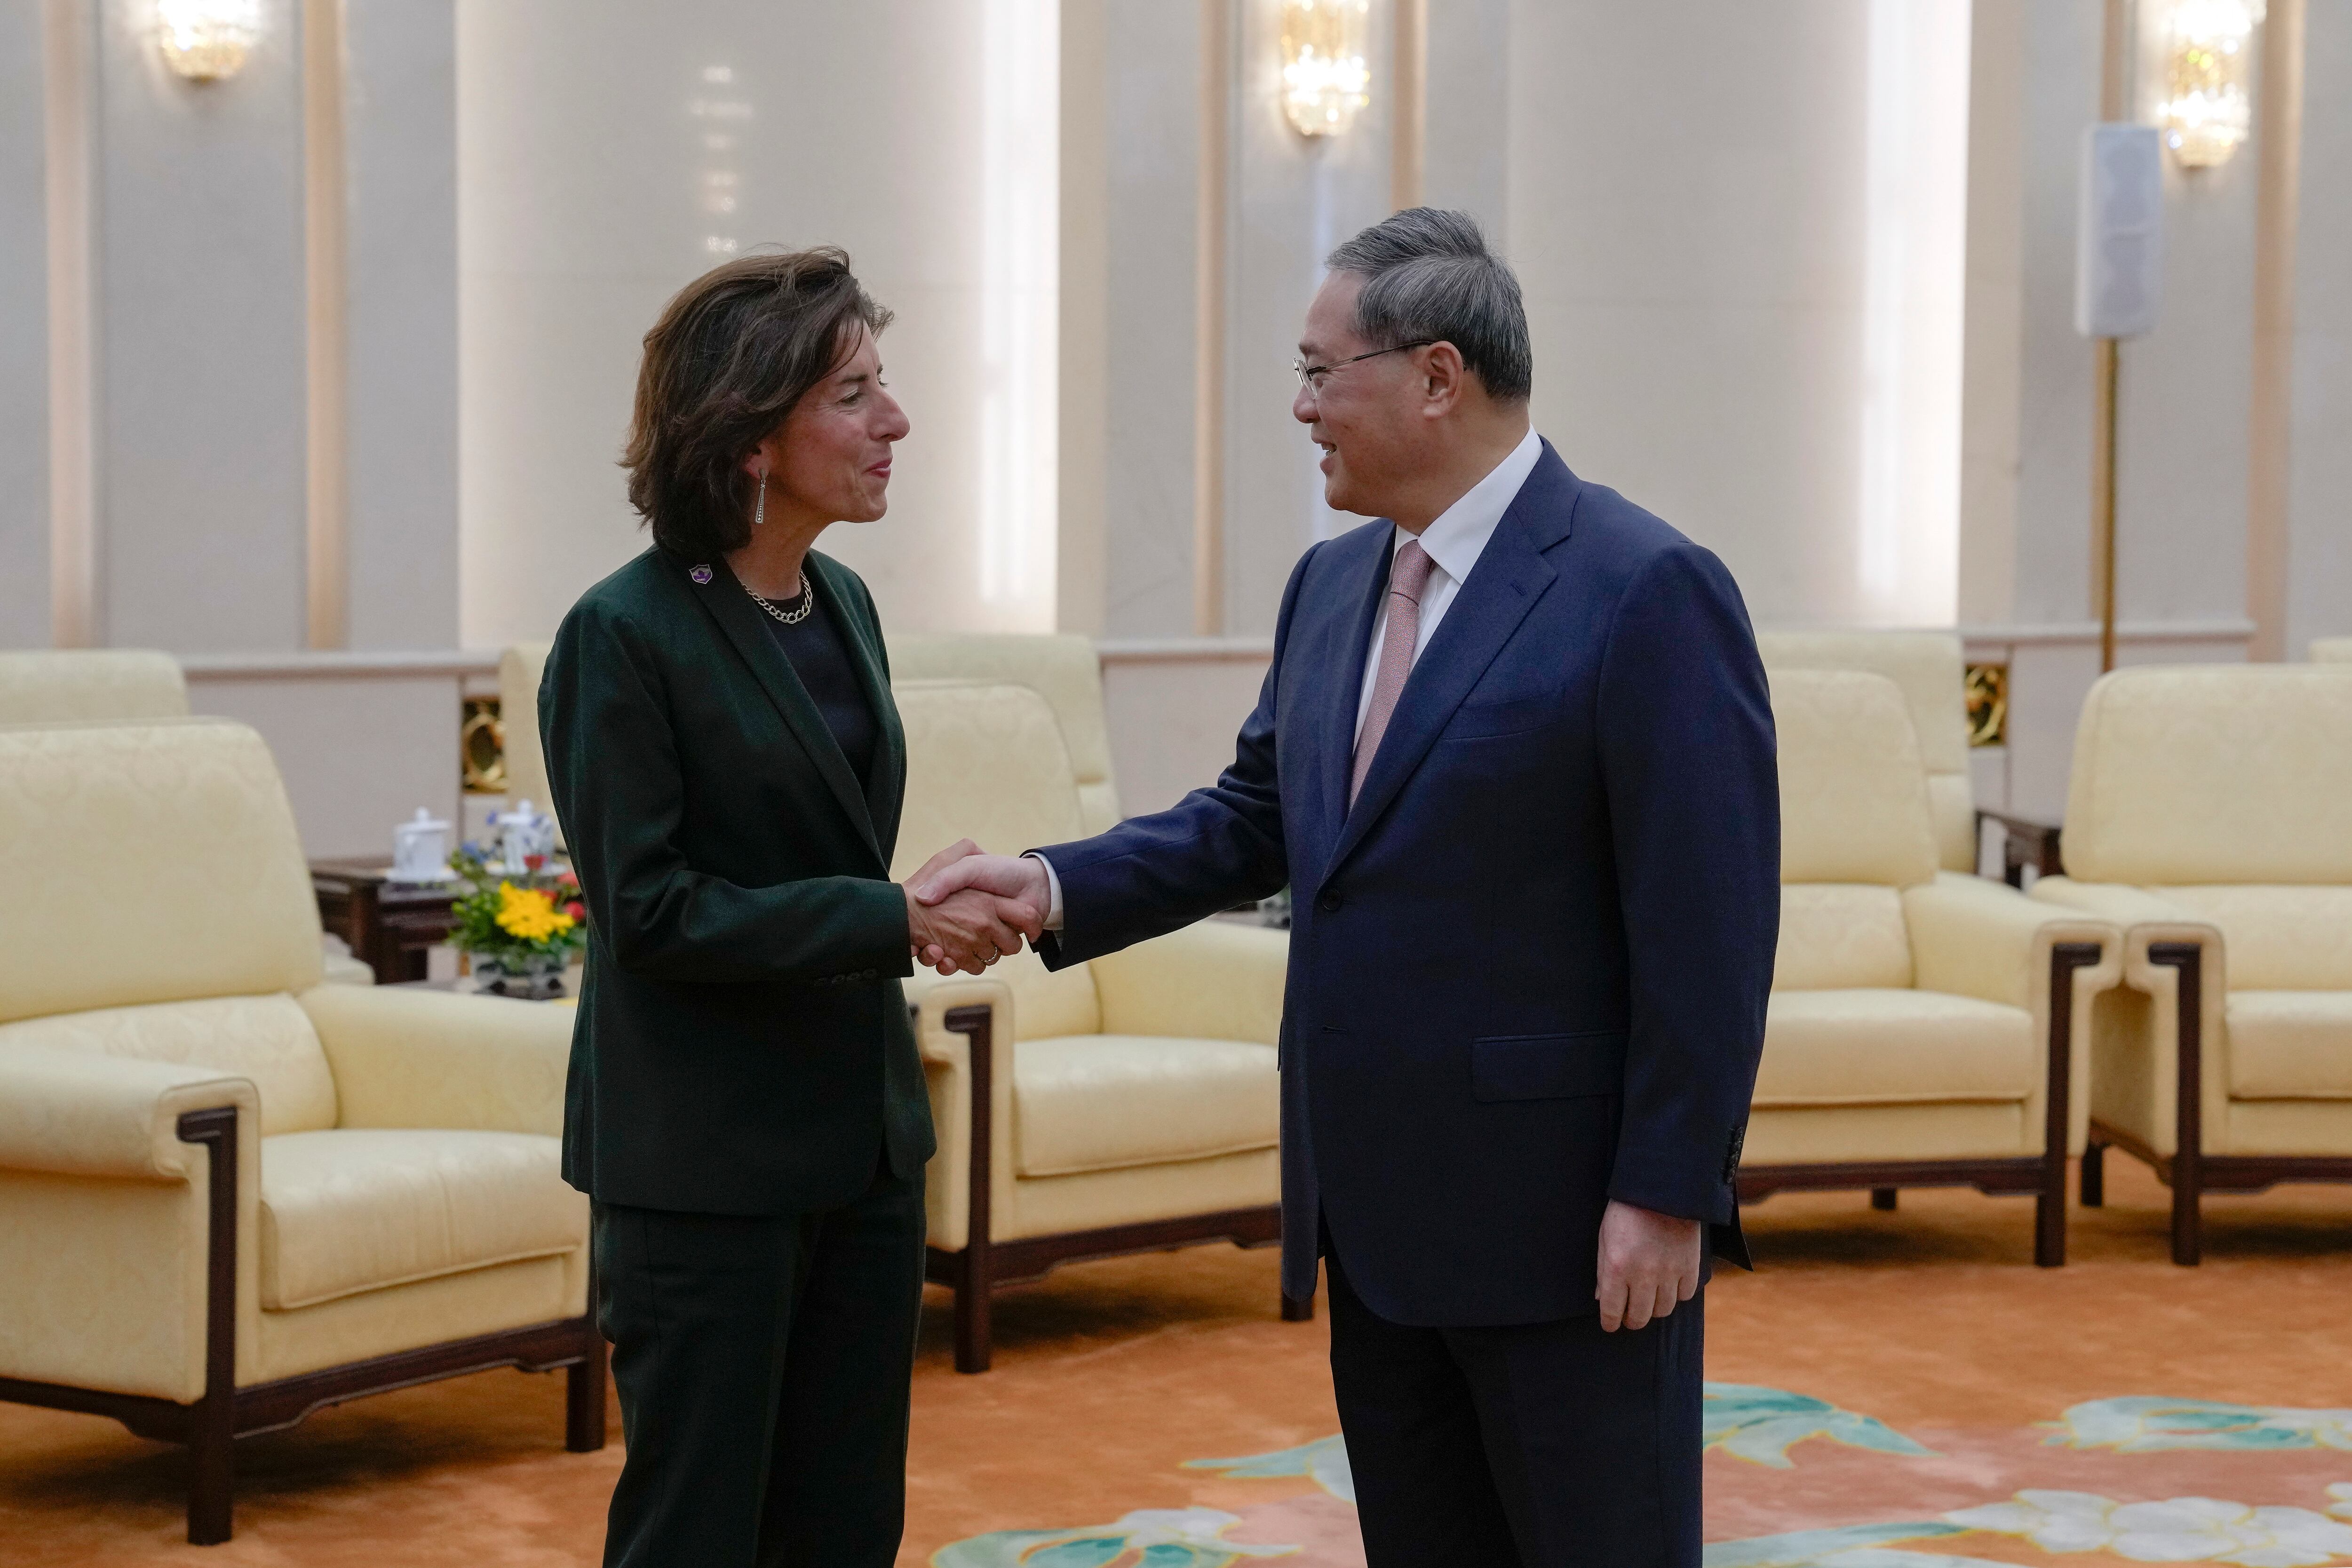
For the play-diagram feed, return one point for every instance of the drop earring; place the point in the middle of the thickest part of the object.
(760, 507)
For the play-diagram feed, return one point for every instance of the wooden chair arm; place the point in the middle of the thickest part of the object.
(2025, 842)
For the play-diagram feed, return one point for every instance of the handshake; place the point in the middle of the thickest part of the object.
(966, 909)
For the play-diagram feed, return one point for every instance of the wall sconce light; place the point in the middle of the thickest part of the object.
(1324, 76)
(2208, 55)
(207, 40)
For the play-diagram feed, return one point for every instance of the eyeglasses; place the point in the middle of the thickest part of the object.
(1311, 377)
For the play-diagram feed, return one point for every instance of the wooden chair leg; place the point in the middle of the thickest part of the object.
(2188, 1227)
(2188, 1165)
(212, 1425)
(2094, 1175)
(975, 1271)
(2050, 1202)
(1882, 1198)
(584, 1397)
(974, 1336)
(1298, 1311)
(212, 1472)
(2050, 1223)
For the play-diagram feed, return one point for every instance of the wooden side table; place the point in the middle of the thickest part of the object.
(386, 924)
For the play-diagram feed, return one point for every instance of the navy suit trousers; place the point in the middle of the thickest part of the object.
(1539, 1446)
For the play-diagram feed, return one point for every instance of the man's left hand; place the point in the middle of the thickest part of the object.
(1649, 1261)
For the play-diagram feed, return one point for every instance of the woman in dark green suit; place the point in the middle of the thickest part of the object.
(746, 1106)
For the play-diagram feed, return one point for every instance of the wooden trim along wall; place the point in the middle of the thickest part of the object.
(1082, 494)
(2278, 142)
(1409, 112)
(325, 225)
(1210, 264)
(69, 45)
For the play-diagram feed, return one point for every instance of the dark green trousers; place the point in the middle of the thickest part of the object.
(763, 1366)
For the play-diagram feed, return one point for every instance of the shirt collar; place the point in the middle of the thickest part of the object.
(1459, 536)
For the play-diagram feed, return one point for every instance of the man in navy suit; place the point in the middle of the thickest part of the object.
(1515, 760)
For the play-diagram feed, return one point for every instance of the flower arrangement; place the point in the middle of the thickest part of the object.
(520, 932)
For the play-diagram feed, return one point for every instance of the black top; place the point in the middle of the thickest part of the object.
(815, 648)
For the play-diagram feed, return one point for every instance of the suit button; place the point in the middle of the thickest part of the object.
(1329, 901)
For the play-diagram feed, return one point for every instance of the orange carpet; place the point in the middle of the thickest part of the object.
(1882, 1394)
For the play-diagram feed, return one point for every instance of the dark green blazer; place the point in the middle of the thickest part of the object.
(742, 1044)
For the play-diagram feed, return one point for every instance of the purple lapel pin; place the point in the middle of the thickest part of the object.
(700, 573)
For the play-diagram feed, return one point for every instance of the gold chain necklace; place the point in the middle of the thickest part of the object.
(790, 617)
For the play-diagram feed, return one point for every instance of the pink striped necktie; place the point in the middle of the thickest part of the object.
(1407, 575)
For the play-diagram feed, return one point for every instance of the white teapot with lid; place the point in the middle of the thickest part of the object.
(420, 849)
(523, 832)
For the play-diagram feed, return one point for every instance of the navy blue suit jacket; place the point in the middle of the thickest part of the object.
(1528, 968)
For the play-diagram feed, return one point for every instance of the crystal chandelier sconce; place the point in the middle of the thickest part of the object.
(207, 40)
(1324, 76)
(2209, 58)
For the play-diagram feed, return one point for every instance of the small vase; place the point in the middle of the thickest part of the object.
(533, 976)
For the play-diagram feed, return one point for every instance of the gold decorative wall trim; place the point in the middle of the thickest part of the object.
(482, 747)
(1987, 686)
(1409, 106)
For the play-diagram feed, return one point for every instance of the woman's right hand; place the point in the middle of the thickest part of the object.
(970, 930)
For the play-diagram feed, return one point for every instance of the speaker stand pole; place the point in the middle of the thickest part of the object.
(2103, 499)
(2115, 44)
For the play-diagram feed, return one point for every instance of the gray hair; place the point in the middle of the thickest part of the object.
(1428, 274)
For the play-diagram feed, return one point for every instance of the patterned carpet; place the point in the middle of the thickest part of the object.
(1892, 1390)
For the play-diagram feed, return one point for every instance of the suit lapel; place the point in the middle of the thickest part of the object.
(886, 784)
(1510, 576)
(1362, 584)
(740, 618)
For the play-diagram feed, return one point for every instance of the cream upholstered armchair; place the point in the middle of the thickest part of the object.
(120, 686)
(78, 684)
(1927, 669)
(1124, 1105)
(1062, 668)
(1932, 671)
(1921, 1027)
(234, 1195)
(2331, 650)
(2209, 816)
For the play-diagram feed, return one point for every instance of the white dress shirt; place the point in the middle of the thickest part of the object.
(1455, 542)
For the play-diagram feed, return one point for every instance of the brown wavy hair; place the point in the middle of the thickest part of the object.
(732, 355)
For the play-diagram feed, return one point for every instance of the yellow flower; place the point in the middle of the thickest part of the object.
(529, 914)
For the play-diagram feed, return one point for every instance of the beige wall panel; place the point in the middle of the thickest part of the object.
(201, 381)
(1152, 111)
(1293, 200)
(1691, 242)
(400, 145)
(601, 142)
(1172, 721)
(358, 754)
